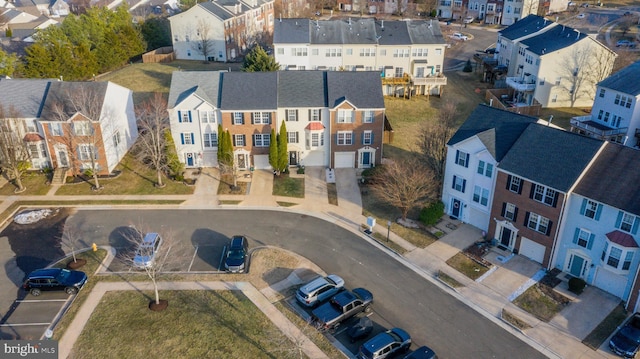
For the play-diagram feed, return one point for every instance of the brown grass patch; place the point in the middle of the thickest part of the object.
(467, 266)
(541, 301)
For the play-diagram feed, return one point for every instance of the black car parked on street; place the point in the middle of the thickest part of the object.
(70, 281)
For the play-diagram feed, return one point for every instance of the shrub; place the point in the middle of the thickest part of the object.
(467, 67)
(300, 170)
(576, 285)
(88, 172)
(430, 215)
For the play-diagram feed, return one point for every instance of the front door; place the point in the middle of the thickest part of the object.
(242, 161)
(293, 158)
(63, 160)
(190, 159)
(366, 159)
(577, 263)
(455, 208)
(505, 238)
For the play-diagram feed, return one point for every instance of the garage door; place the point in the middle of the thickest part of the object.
(345, 159)
(261, 162)
(532, 250)
(314, 158)
(610, 282)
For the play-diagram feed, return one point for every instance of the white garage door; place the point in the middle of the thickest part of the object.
(610, 282)
(345, 159)
(261, 162)
(532, 250)
(314, 158)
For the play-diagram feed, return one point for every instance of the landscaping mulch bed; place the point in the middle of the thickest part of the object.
(476, 252)
(551, 278)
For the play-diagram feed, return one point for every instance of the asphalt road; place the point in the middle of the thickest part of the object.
(401, 296)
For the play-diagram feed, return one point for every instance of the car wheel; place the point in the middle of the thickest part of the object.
(71, 290)
(367, 309)
(35, 292)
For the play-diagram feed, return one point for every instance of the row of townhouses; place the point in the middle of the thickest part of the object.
(559, 198)
(332, 118)
(547, 64)
(64, 123)
(500, 12)
(408, 55)
(220, 30)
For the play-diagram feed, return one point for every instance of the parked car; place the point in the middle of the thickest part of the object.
(468, 20)
(319, 290)
(70, 281)
(360, 330)
(146, 252)
(237, 254)
(581, 16)
(584, 5)
(625, 43)
(459, 36)
(344, 305)
(626, 341)
(385, 345)
(424, 352)
(627, 13)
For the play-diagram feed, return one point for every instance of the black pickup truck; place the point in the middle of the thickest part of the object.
(626, 341)
(344, 305)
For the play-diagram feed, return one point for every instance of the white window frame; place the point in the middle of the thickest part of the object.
(481, 195)
(239, 141)
(292, 137)
(368, 117)
(344, 116)
(515, 184)
(261, 118)
(82, 128)
(537, 222)
(367, 137)
(210, 139)
(583, 238)
(238, 118)
(56, 129)
(262, 139)
(544, 194)
(590, 209)
(344, 138)
(85, 151)
(510, 211)
(292, 115)
(315, 115)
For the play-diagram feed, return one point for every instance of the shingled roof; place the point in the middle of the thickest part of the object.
(204, 84)
(527, 26)
(613, 178)
(554, 39)
(550, 156)
(626, 80)
(497, 129)
(26, 96)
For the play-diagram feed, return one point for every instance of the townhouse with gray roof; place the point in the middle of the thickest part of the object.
(333, 119)
(61, 136)
(615, 115)
(599, 232)
(550, 65)
(221, 30)
(408, 55)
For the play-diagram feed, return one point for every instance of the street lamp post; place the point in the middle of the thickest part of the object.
(388, 229)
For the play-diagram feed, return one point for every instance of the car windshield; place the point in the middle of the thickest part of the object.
(64, 274)
(236, 254)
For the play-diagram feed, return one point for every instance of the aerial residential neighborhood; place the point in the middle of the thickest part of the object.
(285, 179)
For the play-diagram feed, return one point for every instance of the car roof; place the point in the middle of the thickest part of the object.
(379, 341)
(46, 272)
(150, 237)
(424, 352)
(237, 241)
(314, 284)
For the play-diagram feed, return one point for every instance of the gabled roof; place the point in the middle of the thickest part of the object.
(497, 129)
(626, 80)
(26, 96)
(249, 91)
(527, 26)
(361, 88)
(356, 31)
(613, 178)
(301, 89)
(549, 156)
(554, 39)
(204, 84)
(64, 92)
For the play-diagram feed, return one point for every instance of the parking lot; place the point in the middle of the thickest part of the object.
(31, 316)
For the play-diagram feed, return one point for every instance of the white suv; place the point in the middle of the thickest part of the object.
(319, 289)
(459, 36)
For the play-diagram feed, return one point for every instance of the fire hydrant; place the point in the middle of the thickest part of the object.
(94, 247)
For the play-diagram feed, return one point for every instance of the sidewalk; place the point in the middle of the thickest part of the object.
(560, 338)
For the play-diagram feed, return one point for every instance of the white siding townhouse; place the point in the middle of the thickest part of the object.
(615, 115)
(407, 54)
(552, 64)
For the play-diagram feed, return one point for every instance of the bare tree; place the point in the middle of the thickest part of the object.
(433, 138)
(146, 256)
(626, 24)
(204, 45)
(71, 238)
(600, 65)
(574, 72)
(624, 59)
(82, 105)
(153, 121)
(14, 151)
(404, 184)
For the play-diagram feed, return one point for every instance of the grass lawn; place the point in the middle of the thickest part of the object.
(448, 279)
(197, 324)
(541, 302)
(135, 179)
(284, 185)
(467, 266)
(513, 320)
(605, 328)
(226, 185)
(37, 184)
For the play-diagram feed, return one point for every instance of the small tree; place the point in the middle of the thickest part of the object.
(273, 151)
(404, 184)
(204, 44)
(153, 122)
(161, 257)
(433, 138)
(257, 60)
(283, 158)
(71, 238)
(176, 168)
(14, 151)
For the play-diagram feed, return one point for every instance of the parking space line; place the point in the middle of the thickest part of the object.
(40, 300)
(23, 324)
(192, 259)
(224, 249)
